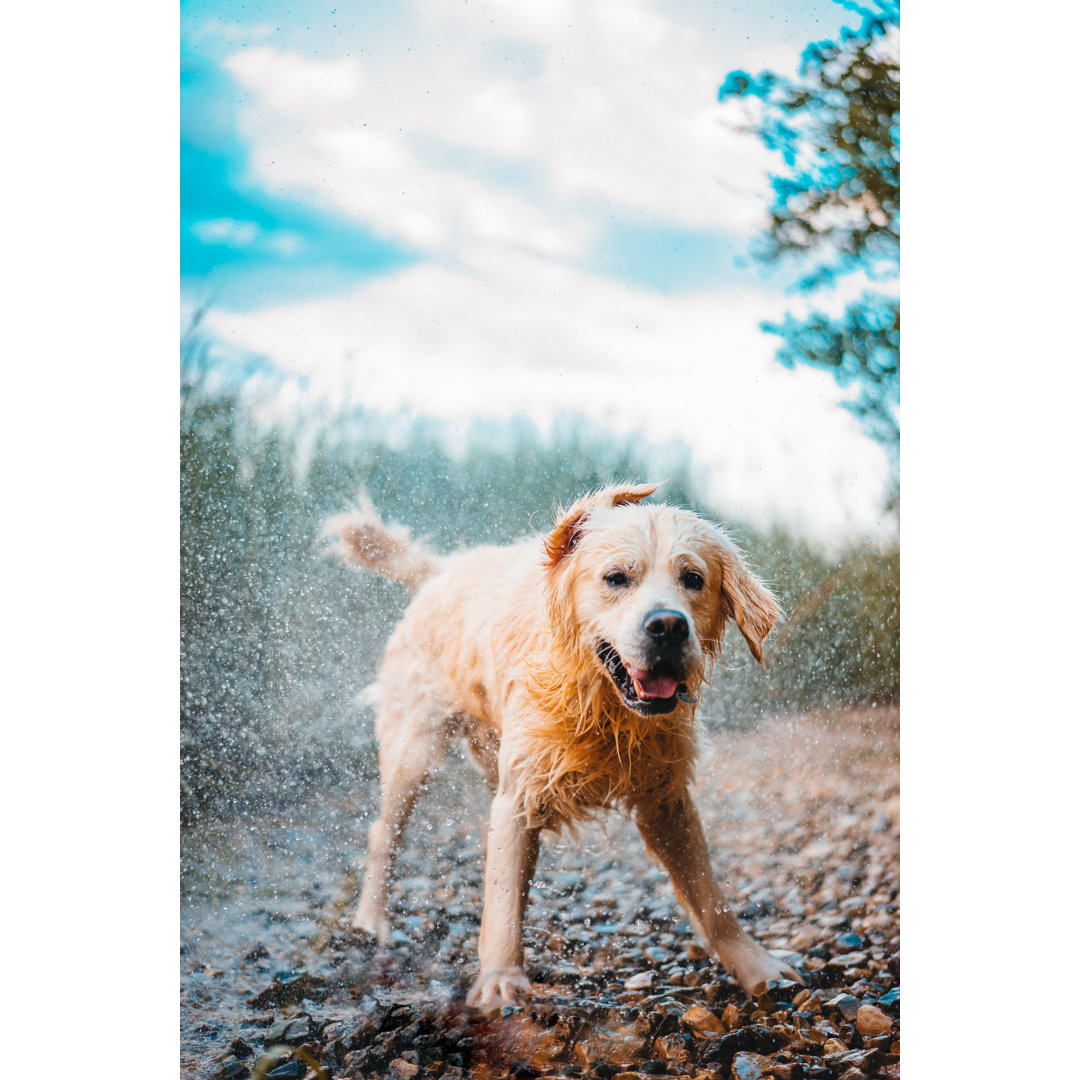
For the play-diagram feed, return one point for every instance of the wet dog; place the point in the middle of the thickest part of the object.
(570, 664)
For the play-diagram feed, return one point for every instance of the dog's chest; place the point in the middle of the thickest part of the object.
(565, 780)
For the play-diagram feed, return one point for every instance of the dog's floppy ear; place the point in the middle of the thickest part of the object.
(744, 598)
(563, 538)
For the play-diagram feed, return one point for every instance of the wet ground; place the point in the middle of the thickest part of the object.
(802, 816)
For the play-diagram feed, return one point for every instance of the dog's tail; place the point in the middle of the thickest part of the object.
(361, 538)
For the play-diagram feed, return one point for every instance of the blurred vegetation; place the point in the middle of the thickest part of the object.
(836, 204)
(276, 639)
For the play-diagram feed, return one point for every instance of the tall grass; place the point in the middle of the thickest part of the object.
(277, 639)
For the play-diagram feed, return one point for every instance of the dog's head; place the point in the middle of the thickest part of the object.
(645, 592)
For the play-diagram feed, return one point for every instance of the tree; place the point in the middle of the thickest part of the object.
(836, 205)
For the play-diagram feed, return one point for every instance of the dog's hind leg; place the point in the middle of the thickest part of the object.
(406, 760)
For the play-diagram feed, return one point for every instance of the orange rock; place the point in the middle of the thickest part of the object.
(870, 1020)
(702, 1019)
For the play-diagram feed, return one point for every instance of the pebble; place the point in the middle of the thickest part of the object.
(702, 1019)
(849, 942)
(870, 1020)
(846, 1004)
(398, 1015)
(231, 1070)
(292, 1031)
(291, 1070)
(847, 961)
(750, 1066)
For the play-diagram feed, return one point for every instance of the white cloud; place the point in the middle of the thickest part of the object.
(519, 334)
(294, 85)
(226, 231)
(622, 112)
(611, 116)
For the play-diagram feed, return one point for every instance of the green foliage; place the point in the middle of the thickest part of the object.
(836, 204)
(276, 639)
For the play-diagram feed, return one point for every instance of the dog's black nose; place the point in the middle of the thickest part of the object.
(667, 627)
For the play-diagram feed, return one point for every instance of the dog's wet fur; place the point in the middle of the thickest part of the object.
(571, 665)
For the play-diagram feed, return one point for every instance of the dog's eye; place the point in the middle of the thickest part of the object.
(693, 581)
(617, 579)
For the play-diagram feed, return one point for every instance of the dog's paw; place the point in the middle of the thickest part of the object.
(368, 922)
(754, 967)
(494, 989)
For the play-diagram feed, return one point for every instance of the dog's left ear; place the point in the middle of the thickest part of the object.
(744, 598)
(564, 537)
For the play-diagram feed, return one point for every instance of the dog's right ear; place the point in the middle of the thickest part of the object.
(564, 537)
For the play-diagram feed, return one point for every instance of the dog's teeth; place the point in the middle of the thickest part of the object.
(638, 688)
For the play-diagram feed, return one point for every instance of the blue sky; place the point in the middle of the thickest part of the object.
(485, 208)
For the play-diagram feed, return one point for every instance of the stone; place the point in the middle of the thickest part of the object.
(849, 942)
(291, 1031)
(867, 1061)
(404, 1069)
(730, 1017)
(701, 1019)
(845, 1004)
(231, 1070)
(750, 1066)
(241, 1048)
(870, 1020)
(291, 1070)
(641, 981)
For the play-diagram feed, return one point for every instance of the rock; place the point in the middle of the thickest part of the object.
(241, 1048)
(653, 1067)
(870, 1020)
(231, 1070)
(730, 1017)
(701, 1019)
(805, 937)
(849, 942)
(845, 1004)
(291, 1031)
(641, 981)
(755, 1040)
(834, 1047)
(750, 1066)
(789, 1071)
(291, 1070)
(848, 960)
(404, 1069)
(891, 1001)
(867, 1061)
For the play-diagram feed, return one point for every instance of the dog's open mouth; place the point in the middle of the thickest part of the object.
(647, 692)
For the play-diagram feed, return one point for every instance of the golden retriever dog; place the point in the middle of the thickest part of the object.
(570, 664)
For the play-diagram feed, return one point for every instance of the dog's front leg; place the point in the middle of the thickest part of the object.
(673, 834)
(511, 861)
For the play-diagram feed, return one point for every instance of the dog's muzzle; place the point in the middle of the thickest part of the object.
(650, 691)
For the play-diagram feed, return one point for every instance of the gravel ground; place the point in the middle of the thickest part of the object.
(803, 819)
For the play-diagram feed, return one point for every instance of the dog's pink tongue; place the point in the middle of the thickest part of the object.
(652, 686)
